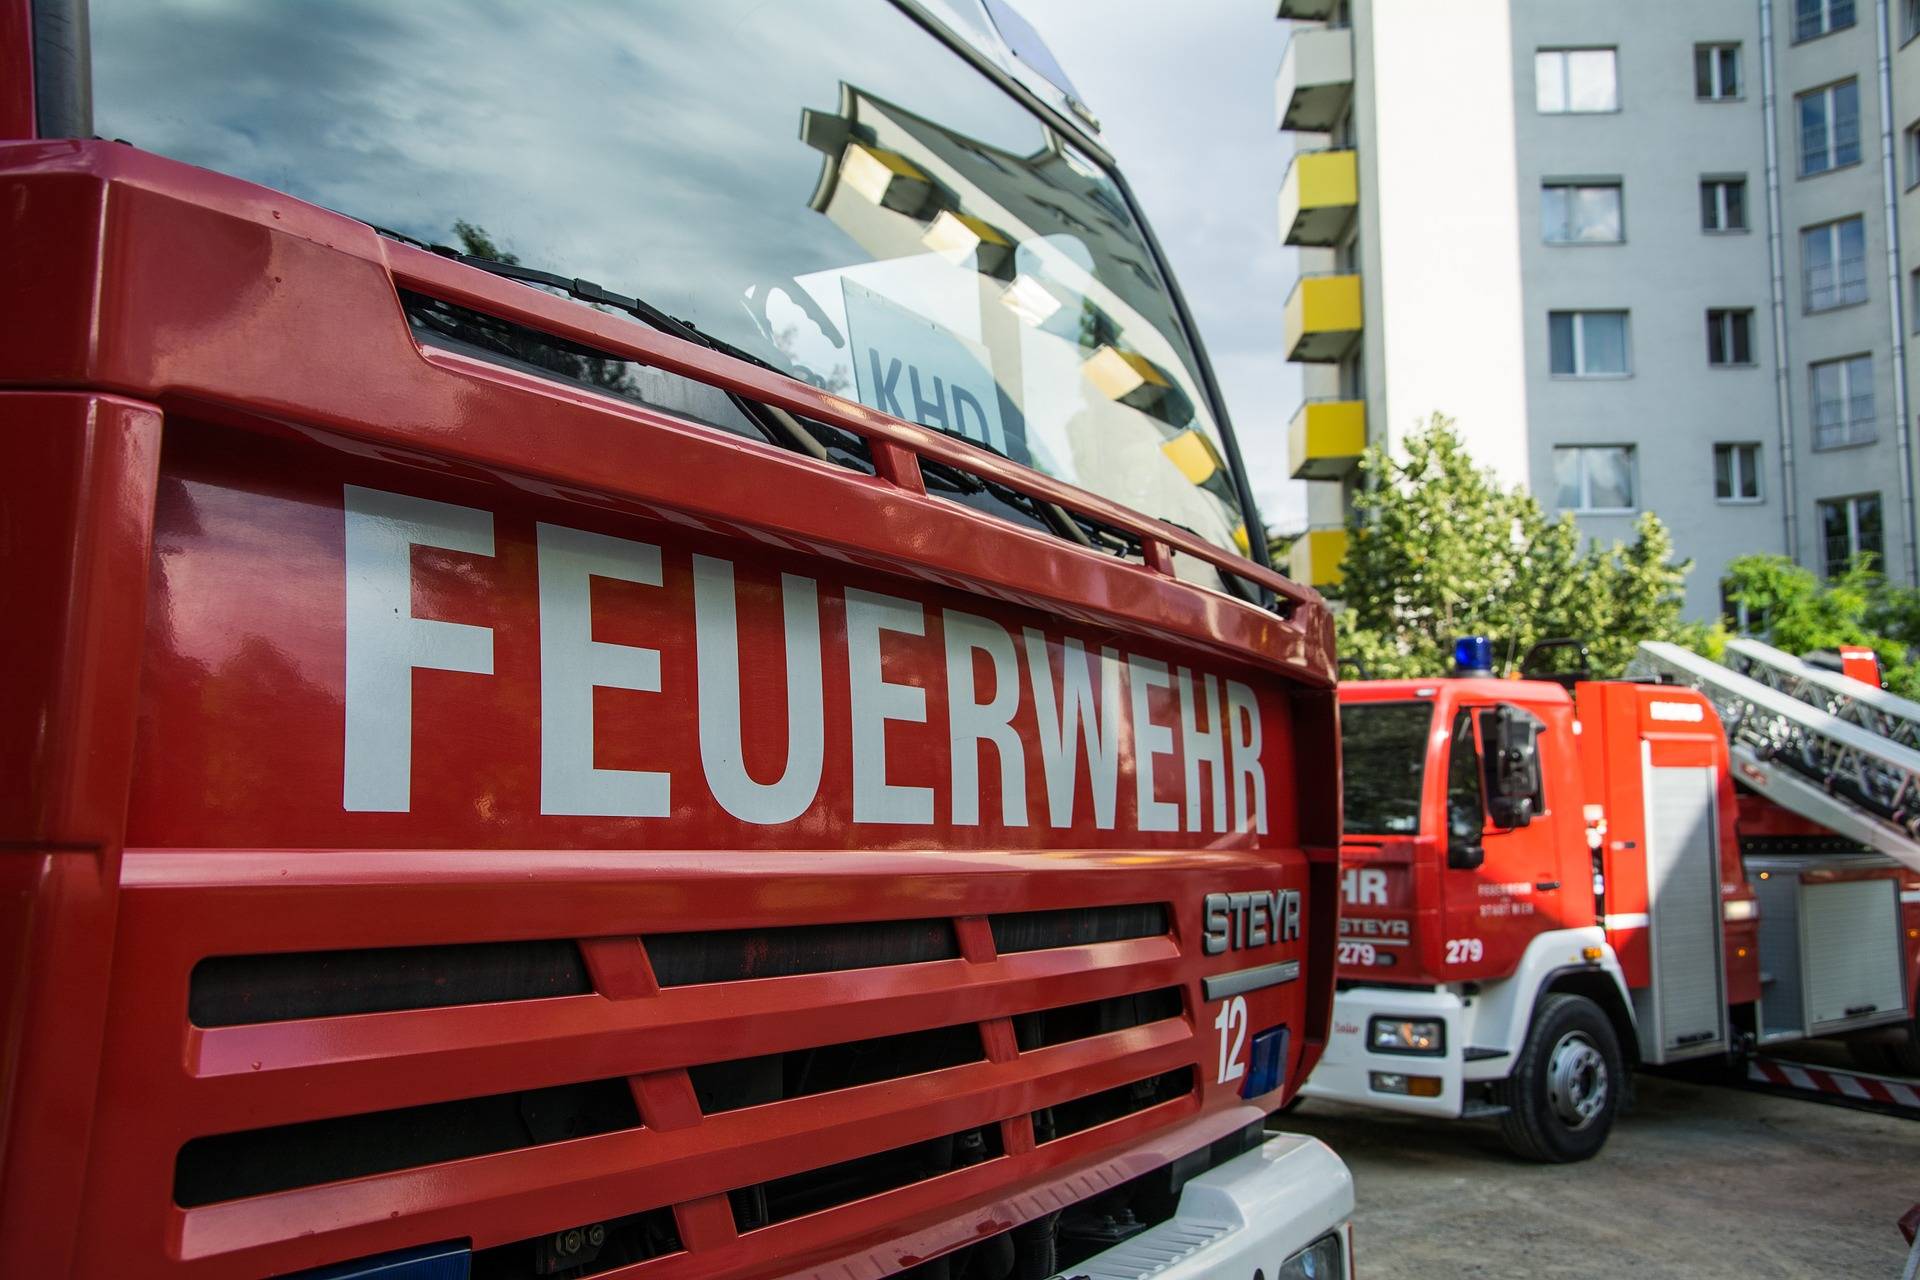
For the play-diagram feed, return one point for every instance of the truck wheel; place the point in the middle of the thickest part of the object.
(1566, 1084)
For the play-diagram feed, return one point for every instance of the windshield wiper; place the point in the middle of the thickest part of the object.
(779, 426)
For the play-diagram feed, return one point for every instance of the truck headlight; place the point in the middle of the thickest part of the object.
(1407, 1035)
(1734, 909)
(1320, 1260)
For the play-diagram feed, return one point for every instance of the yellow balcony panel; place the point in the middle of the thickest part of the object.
(1322, 318)
(1326, 438)
(1316, 78)
(1306, 10)
(1318, 197)
(1316, 556)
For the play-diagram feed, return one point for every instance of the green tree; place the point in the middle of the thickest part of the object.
(1439, 549)
(1794, 610)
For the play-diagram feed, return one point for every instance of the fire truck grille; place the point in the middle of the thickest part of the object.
(1042, 930)
(661, 1081)
(735, 955)
(1045, 1027)
(1111, 1104)
(229, 991)
(766, 1203)
(231, 1165)
(747, 1082)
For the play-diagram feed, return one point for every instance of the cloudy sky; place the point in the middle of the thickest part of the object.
(1184, 93)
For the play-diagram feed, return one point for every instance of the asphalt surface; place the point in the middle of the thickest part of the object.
(1696, 1181)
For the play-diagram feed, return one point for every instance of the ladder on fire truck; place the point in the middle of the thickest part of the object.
(1832, 749)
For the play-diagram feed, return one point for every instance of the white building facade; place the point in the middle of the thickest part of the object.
(1651, 256)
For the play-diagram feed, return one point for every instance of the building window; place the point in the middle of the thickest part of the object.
(1813, 18)
(1849, 529)
(1909, 20)
(1736, 472)
(1829, 127)
(1913, 311)
(1581, 212)
(1566, 81)
(1594, 478)
(1723, 203)
(1587, 344)
(1911, 145)
(1842, 402)
(1730, 336)
(1716, 72)
(1833, 260)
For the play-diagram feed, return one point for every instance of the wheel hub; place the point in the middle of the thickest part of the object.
(1577, 1080)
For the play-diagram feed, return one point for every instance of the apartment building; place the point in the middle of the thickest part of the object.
(1651, 256)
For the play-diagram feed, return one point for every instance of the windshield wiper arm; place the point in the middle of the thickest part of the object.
(775, 423)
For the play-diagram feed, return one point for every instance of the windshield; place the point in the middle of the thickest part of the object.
(826, 185)
(1383, 755)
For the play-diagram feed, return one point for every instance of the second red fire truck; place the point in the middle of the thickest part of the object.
(1550, 881)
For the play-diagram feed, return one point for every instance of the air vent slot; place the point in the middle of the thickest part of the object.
(800, 1073)
(1111, 1104)
(1077, 926)
(258, 1161)
(227, 991)
(736, 955)
(1043, 1027)
(796, 1195)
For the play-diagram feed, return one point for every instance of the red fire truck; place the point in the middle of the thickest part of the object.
(1549, 882)
(633, 654)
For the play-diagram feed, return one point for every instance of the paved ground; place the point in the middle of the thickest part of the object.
(1696, 1181)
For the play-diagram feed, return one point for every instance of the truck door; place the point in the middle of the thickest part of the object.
(1495, 904)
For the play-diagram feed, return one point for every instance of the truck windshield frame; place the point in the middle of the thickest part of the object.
(1379, 740)
(892, 219)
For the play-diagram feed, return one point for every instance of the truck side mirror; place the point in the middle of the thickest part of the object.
(1511, 758)
(1465, 807)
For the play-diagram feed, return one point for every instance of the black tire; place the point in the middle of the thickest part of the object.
(1566, 1084)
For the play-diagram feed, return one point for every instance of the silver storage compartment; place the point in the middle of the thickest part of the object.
(1684, 1013)
(1830, 953)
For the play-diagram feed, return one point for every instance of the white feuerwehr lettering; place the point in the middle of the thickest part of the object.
(1243, 712)
(972, 722)
(1208, 746)
(874, 701)
(717, 652)
(385, 642)
(1072, 720)
(1149, 740)
(573, 664)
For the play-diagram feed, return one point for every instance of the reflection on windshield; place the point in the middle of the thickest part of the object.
(825, 185)
(1383, 759)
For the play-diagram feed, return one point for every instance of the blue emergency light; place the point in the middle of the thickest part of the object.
(1265, 1062)
(1473, 656)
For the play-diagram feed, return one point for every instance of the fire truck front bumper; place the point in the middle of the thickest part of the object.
(1280, 1210)
(1427, 1077)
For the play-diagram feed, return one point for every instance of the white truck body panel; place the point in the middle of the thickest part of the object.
(1492, 1022)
